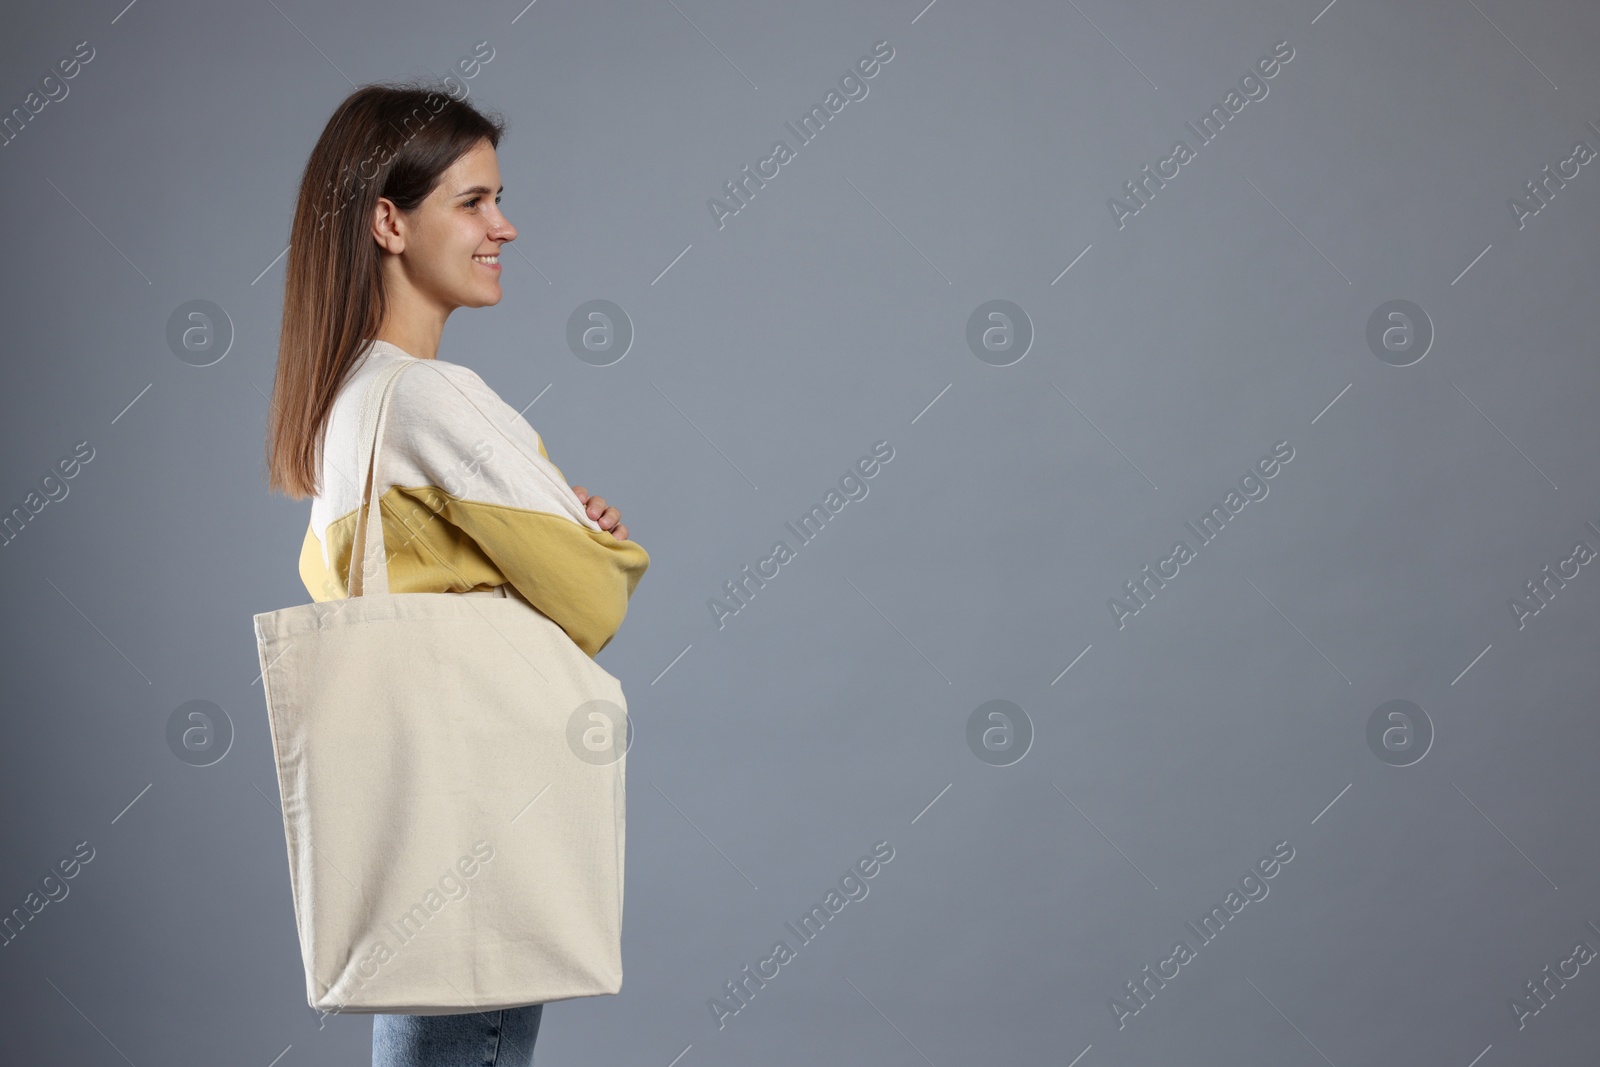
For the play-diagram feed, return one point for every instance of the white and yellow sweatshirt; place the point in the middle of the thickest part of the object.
(469, 500)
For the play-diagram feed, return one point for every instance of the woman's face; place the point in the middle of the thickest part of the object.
(449, 247)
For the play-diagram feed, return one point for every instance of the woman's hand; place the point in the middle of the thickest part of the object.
(608, 518)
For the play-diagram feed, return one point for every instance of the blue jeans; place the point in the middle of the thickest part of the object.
(499, 1038)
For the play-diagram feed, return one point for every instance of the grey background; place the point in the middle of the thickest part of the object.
(830, 713)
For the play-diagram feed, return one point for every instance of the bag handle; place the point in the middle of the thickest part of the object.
(368, 540)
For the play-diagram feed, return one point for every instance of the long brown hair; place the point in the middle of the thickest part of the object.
(388, 140)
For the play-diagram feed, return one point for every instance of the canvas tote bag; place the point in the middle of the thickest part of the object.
(452, 769)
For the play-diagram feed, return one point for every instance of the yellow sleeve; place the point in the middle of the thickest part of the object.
(579, 577)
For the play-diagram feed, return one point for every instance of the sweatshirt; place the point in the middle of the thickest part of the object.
(469, 500)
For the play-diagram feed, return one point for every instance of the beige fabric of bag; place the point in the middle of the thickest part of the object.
(452, 771)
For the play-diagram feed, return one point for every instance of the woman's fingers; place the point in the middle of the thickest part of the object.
(609, 518)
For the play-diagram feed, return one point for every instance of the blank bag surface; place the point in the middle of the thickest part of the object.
(452, 771)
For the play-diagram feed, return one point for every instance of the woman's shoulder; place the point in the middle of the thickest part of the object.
(435, 396)
(425, 374)
(429, 390)
(445, 427)
(432, 402)
(435, 374)
(444, 417)
(433, 405)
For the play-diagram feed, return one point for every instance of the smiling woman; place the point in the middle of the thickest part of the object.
(368, 290)
(397, 256)
(444, 255)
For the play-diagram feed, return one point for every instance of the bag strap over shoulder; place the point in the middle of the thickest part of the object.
(367, 543)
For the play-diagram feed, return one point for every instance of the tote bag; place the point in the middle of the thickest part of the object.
(451, 768)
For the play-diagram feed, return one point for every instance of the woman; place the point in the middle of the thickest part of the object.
(397, 224)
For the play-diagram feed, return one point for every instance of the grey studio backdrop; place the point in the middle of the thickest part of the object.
(1340, 747)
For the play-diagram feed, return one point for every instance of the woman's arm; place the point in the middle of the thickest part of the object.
(479, 469)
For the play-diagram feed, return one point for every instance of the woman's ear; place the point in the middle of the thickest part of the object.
(389, 226)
